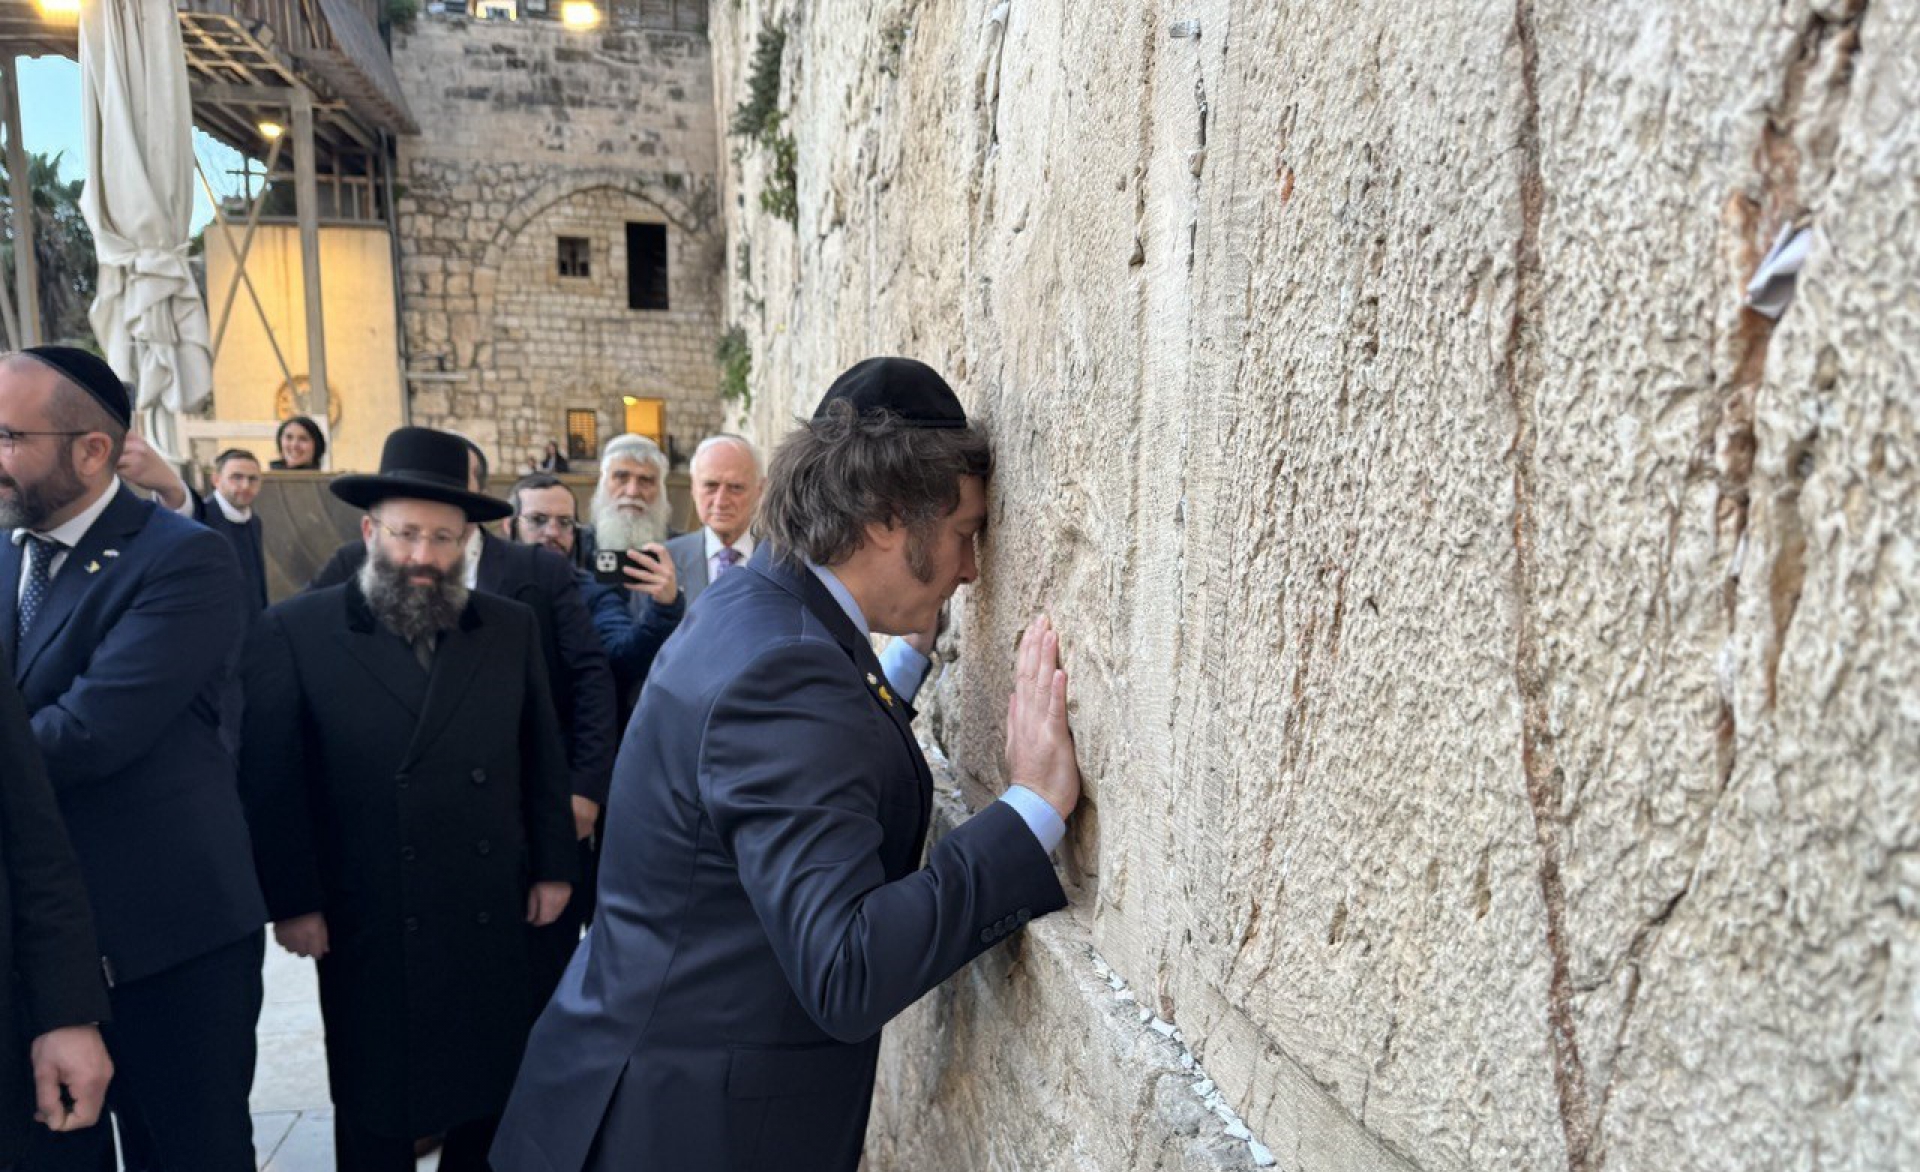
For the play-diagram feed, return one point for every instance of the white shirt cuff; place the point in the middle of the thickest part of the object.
(1038, 814)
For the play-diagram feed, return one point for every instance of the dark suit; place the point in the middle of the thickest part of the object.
(689, 554)
(762, 908)
(249, 549)
(414, 810)
(124, 671)
(46, 929)
(582, 686)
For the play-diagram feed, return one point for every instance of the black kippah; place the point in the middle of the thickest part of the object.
(909, 389)
(91, 374)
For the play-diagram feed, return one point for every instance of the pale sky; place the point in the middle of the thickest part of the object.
(50, 122)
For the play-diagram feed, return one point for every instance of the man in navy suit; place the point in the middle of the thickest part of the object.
(228, 511)
(119, 621)
(763, 907)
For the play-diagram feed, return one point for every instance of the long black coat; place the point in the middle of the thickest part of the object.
(46, 929)
(415, 811)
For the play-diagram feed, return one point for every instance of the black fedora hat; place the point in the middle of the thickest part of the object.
(419, 463)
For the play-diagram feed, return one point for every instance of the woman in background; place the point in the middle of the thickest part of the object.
(301, 445)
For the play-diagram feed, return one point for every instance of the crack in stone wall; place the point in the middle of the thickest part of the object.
(1519, 374)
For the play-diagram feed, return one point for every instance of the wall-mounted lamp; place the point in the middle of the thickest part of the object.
(579, 14)
(271, 130)
(59, 9)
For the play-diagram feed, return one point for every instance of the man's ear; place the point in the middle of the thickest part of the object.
(96, 453)
(366, 528)
(886, 537)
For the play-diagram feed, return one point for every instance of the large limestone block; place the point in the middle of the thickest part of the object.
(1494, 647)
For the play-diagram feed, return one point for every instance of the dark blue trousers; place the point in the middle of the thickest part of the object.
(183, 1051)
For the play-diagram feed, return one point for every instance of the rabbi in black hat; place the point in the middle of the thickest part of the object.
(408, 786)
(763, 906)
(119, 621)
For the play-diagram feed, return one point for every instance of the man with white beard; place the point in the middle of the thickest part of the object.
(630, 512)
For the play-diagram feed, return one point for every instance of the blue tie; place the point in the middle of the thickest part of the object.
(40, 553)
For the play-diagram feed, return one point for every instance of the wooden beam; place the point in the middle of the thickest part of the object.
(307, 200)
(246, 243)
(240, 270)
(26, 274)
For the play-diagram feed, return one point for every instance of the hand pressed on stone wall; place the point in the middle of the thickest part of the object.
(1040, 752)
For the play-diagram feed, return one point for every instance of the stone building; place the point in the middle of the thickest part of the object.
(559, 234)
(1495, 648)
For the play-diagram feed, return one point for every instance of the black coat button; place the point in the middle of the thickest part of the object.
(413, 923)
(406, 852)
(483, 919)
(479, 777)
(1023, 916)
(483, 847)
(401, 779)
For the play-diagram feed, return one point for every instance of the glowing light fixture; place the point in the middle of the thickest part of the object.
(271, 130)
(629, 400)
(60, 9)
(579, 14)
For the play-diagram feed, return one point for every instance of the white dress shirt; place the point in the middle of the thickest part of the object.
(742, 545)
(68, 535)
(471, 574)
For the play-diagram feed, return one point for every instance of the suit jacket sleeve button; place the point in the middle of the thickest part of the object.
(1023, 916)
(986, 935)
(479, 777)
(406, 852)
(484, 847)
(413, 923)
(483, 919)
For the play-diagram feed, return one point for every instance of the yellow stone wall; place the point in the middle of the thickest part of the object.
(363, 355)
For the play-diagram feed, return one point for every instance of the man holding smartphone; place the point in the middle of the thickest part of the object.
(641, 603)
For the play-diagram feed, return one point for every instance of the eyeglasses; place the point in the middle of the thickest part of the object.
(10, 439)
(543, 521)
(440, 541)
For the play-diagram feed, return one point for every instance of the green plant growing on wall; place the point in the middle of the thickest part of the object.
(760, 121)
(402, 13)
(736, 363)
(780, 196)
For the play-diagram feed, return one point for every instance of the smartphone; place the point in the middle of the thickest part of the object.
(609, 565)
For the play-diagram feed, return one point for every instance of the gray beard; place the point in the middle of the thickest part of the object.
(410, 611)
(617, 528)
(29, 507)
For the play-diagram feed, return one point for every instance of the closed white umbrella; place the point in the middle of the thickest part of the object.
(138, 199)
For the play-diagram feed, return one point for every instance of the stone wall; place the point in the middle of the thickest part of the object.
(1495, 650)
(530, 132)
